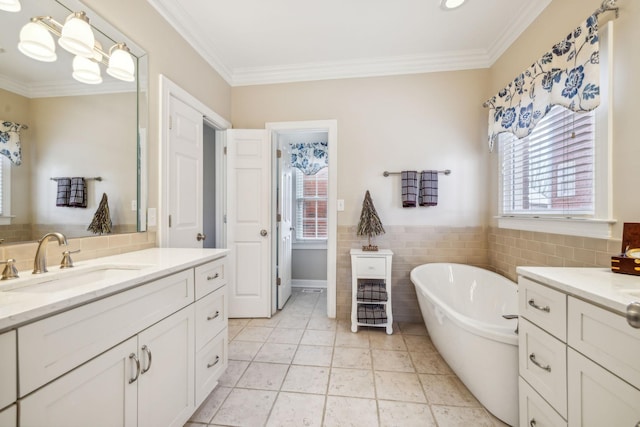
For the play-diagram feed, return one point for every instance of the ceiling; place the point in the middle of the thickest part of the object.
(256, 41)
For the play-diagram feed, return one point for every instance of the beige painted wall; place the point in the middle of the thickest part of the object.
(422, 121)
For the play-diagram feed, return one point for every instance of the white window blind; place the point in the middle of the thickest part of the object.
(2, 195)
(311, 205)
(551, 172)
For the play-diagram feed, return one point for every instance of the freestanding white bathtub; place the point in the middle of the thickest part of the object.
(462, 307)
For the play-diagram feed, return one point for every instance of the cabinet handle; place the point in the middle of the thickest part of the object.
(532, 423)
(533, 304)
(532, 357)
(146, 350)
(214, 363)
(215, 276)
(134, 379)
(214, 316)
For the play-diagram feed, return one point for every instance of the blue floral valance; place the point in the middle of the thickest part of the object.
(567, 75)
(10, 141)
(310, 157)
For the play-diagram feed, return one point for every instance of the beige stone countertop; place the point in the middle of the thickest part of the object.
(600, 286)
(31, 297)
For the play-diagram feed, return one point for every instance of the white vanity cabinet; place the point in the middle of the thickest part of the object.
(579, 363)
(129, 359)
(8, 376)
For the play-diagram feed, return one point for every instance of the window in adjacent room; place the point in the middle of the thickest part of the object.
(5, 190)
(311, 205)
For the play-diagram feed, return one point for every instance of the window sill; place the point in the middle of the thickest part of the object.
(309, 245)
(595, 228)
(5, 220)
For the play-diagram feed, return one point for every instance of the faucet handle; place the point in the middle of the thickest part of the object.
(67, 262)
(10, 271)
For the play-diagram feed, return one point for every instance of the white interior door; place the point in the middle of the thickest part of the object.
(185, 176)
(249, 222)
(285, 225)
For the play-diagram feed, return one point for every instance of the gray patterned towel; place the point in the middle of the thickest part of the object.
(372, 314)
(429, 188)
(372, 292)
(409, 188)
(78, 193)
(64, 191)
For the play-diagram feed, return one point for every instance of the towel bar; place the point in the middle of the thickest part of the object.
(96, 178)
(385, 173)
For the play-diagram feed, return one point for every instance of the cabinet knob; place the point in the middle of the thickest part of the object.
(633, 319)
(200, 237)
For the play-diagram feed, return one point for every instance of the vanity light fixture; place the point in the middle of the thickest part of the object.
(10, 5)
(451, 4)
(76, 37)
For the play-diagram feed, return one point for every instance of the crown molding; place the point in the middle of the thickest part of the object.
(57, 88)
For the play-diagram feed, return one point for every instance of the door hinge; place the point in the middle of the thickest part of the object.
(225, 151)
(278, 281)
(169, 221)
(278, 218)
(278, 153)
(170, 122)
(224, 219)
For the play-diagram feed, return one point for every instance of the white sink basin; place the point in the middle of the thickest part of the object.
(69, 279)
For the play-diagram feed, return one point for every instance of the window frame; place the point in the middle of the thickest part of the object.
(598, 226)
(5, 190)
(305, 243)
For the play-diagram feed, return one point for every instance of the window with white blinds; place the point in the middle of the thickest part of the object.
(551, 172)
(311, 205)
(2, 204)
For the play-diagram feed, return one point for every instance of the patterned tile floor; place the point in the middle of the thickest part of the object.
(300, 368)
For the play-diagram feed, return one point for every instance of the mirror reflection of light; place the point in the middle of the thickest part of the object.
(472, 290)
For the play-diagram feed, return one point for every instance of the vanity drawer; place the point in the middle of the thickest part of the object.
(606, 338)
(211, 362)
(545, 307)
(534, 411)
(210, 276)
(211, 316)
(543, 364)
(8, 369)
(50, 347)
(373, 267)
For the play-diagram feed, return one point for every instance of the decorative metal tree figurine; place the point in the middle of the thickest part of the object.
(102, 219)
(370, 224)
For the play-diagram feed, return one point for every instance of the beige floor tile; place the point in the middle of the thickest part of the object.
(350, 411)
(412, 328)
(212, 403)
(263, 376)
(294, 410)
(313, 337)
(447, 390)
(235, 369)
(419, 343)
(453, 416)
(239, 322)
(430, 363)
(350, 339)
(351, 383)
(254, 333)
(285, 336)
(349, 357)
(387, 360)
(245, 408)
(243, 350)
(306, 379)
(233, 330)
(322, 323)
(313, 355)
(400, 386)
(293, 321)
(265, 322)
(405, 414)
(381, 341)
(276, 353)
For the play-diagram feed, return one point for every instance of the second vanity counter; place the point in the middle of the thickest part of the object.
(31, 297)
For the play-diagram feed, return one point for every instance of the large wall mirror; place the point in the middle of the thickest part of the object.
(73, 129)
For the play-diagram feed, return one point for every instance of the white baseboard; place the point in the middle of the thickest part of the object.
(297, 283)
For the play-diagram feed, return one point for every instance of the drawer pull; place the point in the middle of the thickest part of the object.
(214, 316)
(532, 423)
(533, 304)
(532, 357)
(134, 379)
(633, 319)
(215, 276)
(214, 363)
(146, 350)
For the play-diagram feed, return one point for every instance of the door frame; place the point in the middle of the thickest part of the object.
(331, 127)
(170, 89)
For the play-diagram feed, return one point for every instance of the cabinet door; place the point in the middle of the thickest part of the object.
(8, 369)
(97, 393)
(597, 397)
(166, 385)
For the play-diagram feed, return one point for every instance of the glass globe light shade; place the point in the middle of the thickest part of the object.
(451, 4)
(10, 5)
(77, 36)
(86, 71)
(121, 64)
(36, 42)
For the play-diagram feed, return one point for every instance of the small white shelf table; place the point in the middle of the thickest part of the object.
(371, 289)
